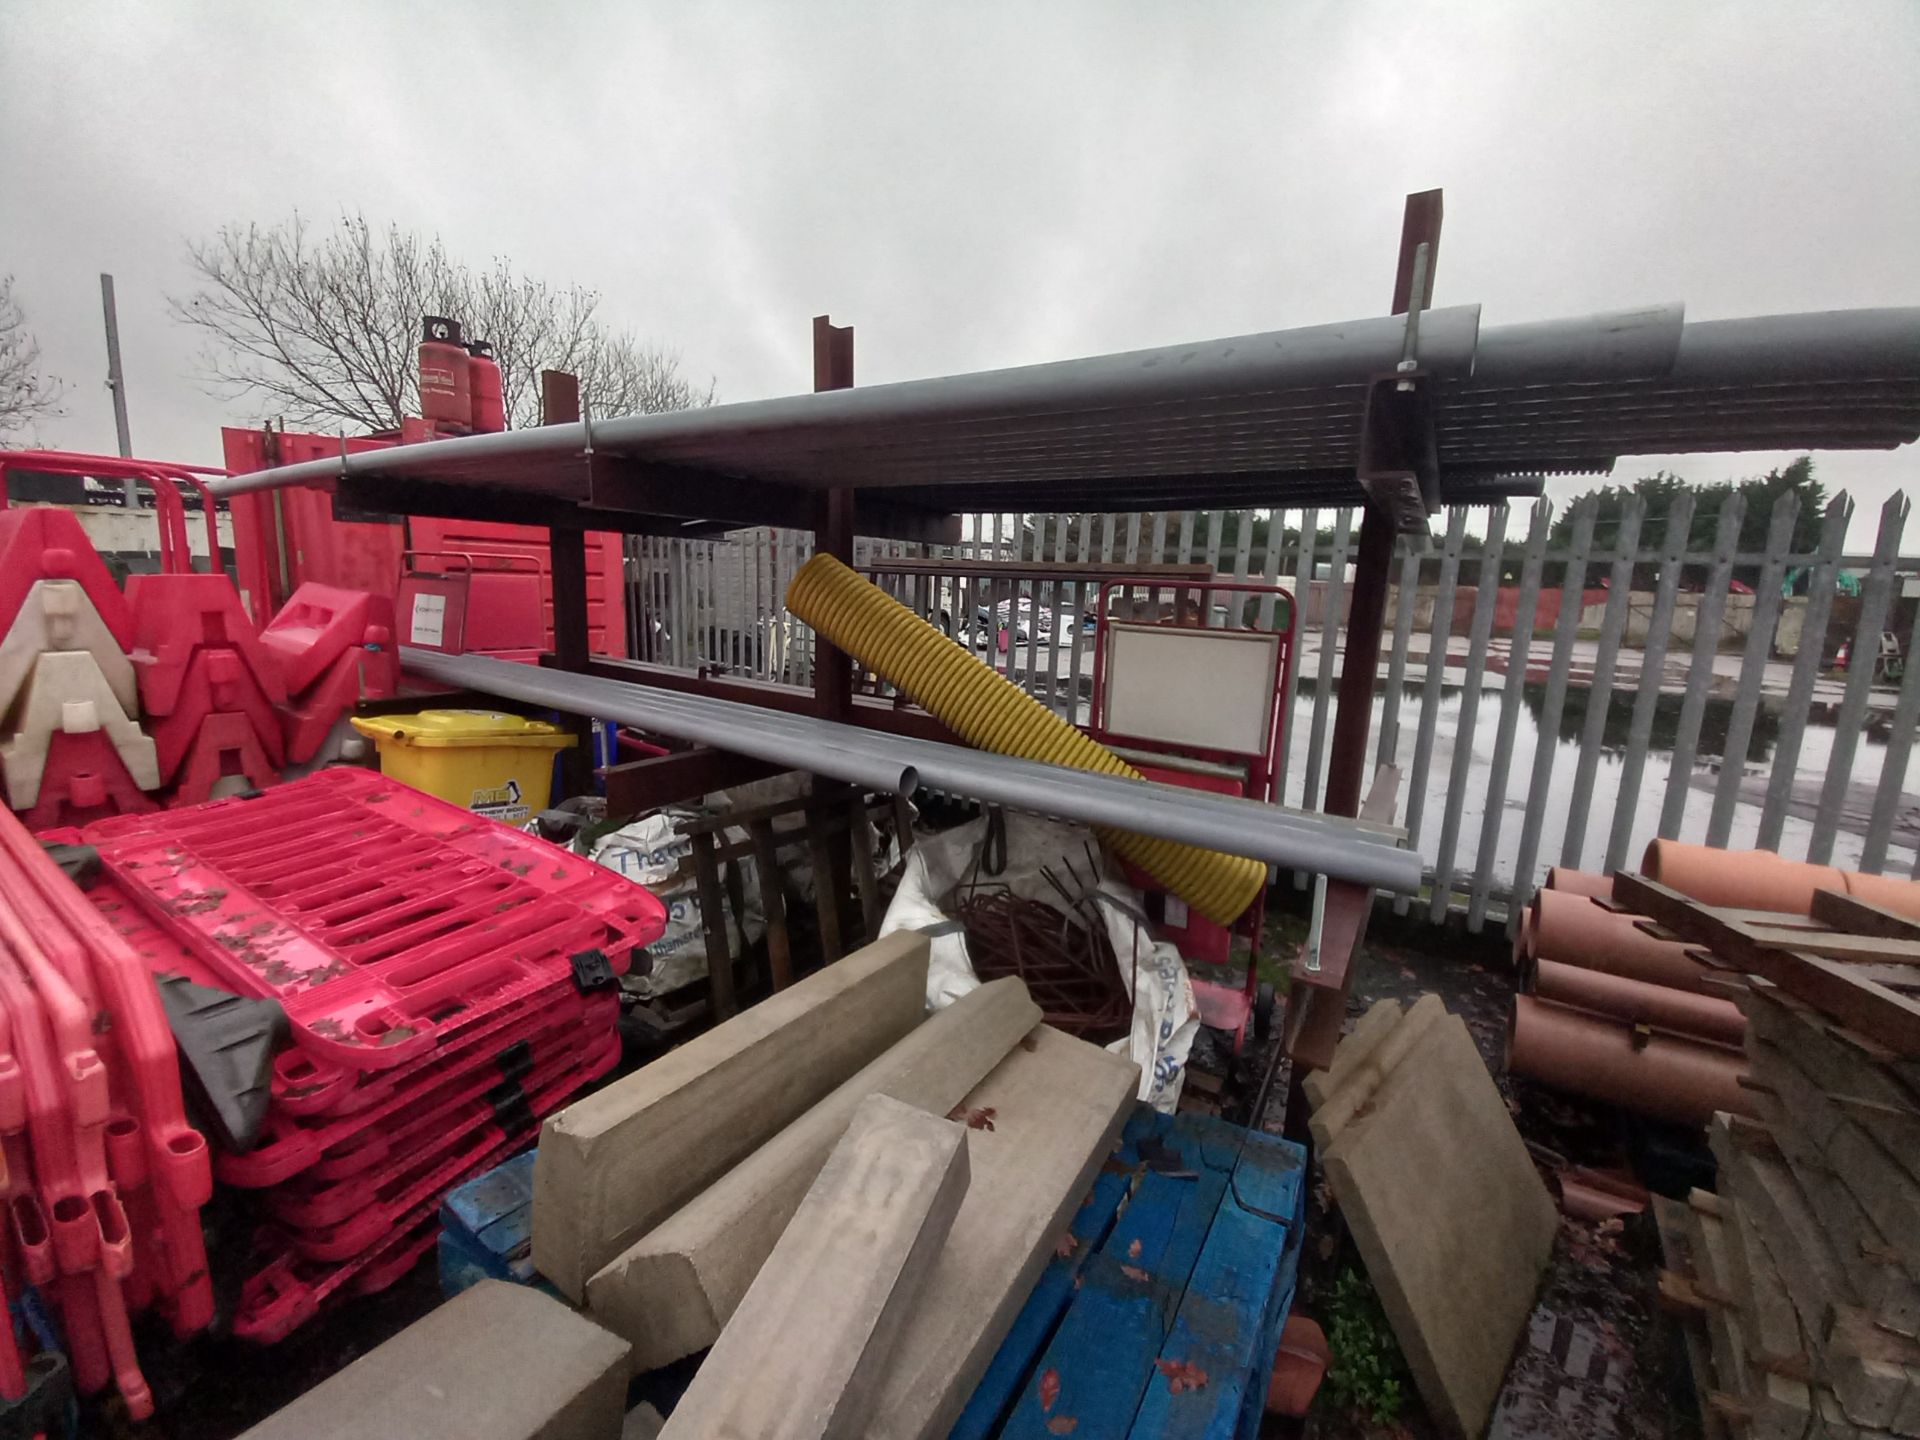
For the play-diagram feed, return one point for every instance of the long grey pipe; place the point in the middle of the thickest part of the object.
(1316, 844)
(869, 757)
(1636, 344)
(1311, 356)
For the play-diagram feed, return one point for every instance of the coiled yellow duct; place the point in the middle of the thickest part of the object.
(983, 708)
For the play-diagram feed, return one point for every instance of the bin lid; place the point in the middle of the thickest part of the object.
(461, 727)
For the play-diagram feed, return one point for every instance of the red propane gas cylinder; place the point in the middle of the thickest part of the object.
(446, 393)
(489, 398)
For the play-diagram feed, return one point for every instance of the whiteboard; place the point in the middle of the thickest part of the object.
(1181, 685)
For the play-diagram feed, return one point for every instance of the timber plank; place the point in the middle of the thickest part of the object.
(1058, 1109)
(845, 1272)
(1676, 1252)
(671, 1291)
(1862, 917)
(615, 1164)
(1847, 991)
(1450, 1218)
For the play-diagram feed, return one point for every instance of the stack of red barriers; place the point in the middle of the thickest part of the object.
(230, 708)
(165, 694)
(449, 982)
(104, 1178)
(71, 745)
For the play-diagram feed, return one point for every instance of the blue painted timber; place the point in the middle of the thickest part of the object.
(994, 1396)
(1210, 1377)
(486, 1228)
(1194, 1279)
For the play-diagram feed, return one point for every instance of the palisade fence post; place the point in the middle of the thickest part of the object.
(1486, 595)
(1512, 695)
(1876, 598)
(1753, 667)
(1653, 665)
(1785, 769)
(1439, 635)
(1566, 628)
(1331, 629)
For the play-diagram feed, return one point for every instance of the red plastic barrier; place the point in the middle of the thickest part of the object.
(335, 648)
(85, 780)
(177, 1167)
(291, 1288)
(176, 616)
(44, 543)
(14, 1174)
(287, 1147)
(87, 1239)
(226, 746)
(215, 681)
(376, 916)
(305, 1089)
(334, 1212)
(357, 675)
(320, 623)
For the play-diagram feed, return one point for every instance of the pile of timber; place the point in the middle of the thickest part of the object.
(848, 1202)
(1800, 1280)
(1450, 1218)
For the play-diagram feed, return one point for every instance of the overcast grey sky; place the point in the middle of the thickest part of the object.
(971, 185)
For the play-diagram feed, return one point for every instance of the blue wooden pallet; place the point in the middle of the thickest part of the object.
(486, 1228)
(1163, 1316)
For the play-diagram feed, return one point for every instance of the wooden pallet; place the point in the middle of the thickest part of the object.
(1851, 960)
(1162, 1309)
(1682, 1300)
(1760, 1400)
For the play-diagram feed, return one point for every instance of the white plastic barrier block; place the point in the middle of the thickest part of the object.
(59, 615)
(66, 693)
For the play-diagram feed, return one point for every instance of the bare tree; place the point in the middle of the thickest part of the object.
(323, 329)
(27, 393)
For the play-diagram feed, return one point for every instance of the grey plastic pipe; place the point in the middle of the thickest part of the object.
(1311, 843)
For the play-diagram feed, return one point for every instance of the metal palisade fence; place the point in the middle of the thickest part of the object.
(1557, 687)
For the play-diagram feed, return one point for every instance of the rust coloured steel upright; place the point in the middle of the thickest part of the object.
(989, 712)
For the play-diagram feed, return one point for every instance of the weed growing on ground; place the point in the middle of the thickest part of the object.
(1365, 1374)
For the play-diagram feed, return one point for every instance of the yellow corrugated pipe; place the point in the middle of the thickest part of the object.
(987, 711)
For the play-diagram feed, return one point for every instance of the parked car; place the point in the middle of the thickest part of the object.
(1020, 616)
